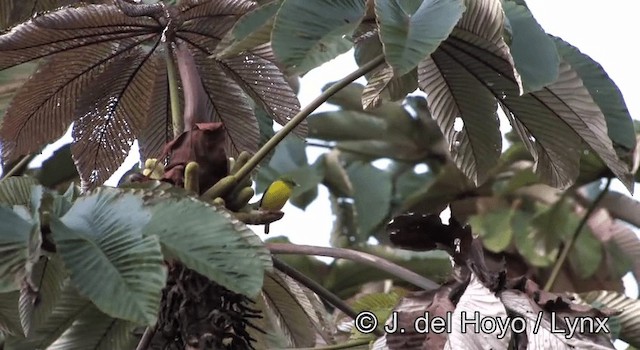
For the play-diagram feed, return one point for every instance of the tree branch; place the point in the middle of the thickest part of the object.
(361, 257)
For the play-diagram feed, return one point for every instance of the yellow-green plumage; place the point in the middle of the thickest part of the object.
(276, 196)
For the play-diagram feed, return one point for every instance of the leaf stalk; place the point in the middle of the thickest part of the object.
(567, 247)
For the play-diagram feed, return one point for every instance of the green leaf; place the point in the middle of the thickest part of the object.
(16, 190)
(538, 238)
(494, 227)
(287, 304)
(101, 243)
(210, 241)
(70, 307)
(534, 53)
(586, 254)
(9, 314)
(346, 125)
(14, 240)
(628, 319)
(372, 206)
(251, 30)
(408, 37)
(95, 330)
(49, 276)
(604, 92)
(309, 33)
(382, 85)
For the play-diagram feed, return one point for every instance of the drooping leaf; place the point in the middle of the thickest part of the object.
(456, 77)
(110, 262)
(13, 12)
(604, 93)
(230, 106)
(208, 240)
(534, 53)
(110, 117)
(408, 37)
(9, 314)
(382, 85)
(49, 276)
(14, 241)
(16, 190)
(95, 330)
(89, 39)
(291, 309)
(456, 97)
(554, 120)
(10, 82)
(629, 307)
(251, 30)
(69, 307)
(303, 40)
(266, 85)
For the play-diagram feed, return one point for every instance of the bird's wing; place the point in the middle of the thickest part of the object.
(264, 194)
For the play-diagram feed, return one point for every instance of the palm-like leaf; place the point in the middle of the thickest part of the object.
(105, 72)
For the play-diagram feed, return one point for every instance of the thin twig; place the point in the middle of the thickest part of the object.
(174, 95)
(361, 257)
(145, 341)
(305, 112)
(567, 247)
(24, 161)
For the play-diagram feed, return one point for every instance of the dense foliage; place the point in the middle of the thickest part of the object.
(167, 260)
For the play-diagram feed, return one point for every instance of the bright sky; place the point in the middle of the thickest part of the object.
(604, 30)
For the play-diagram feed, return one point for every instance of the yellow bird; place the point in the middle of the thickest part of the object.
(276, 196)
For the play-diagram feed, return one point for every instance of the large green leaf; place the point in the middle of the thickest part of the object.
(461, 79)
(208, 240)
(552, 121)
(309, 33)
(372, 195)
(16, 190)
(111, 263)
(251, 30)
(534, 53)
(629, 307)
(9, 314)
(409, 36)
(605, 94)
(94, 330)
(36, 306)
(70, 307)
(382, 85)
(286, 303)
(15, 230)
